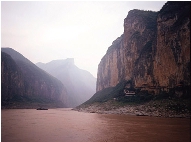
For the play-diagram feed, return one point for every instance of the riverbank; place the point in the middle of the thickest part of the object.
(156, 108)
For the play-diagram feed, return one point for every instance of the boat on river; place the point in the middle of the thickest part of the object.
(40, 108)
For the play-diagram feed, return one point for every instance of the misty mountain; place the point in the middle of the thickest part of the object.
(24, 85)
(80, 84)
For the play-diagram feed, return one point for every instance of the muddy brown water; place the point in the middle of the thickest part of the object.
(66, 125)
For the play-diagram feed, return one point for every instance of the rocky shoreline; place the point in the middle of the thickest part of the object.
(163, 108)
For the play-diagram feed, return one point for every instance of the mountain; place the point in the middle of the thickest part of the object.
(152, 56)
(80, 84)
(24, 85)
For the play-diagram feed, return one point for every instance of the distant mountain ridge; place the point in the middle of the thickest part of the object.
(80, 84)
(23, 84)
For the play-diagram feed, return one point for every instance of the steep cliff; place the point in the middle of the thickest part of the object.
(130, 55)
(22, 81)
(80, 84)
(172, 55)
(153, 52)
(12, 81)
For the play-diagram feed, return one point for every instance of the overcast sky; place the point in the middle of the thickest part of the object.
(46, 31)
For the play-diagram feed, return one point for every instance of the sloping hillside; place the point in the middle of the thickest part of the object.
(24, 85)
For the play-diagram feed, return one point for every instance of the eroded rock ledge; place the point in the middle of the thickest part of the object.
(158, 108)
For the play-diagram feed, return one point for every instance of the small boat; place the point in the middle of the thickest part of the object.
(141, 115)
(40, 108)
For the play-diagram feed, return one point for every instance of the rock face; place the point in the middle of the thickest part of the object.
(80, 84)
(12, 81)
(125, 53)
(22, 81)
(153, 52)
(172, 55)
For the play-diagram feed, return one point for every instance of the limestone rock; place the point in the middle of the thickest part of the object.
(153, 51)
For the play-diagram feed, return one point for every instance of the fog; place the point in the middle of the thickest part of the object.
(46, 31)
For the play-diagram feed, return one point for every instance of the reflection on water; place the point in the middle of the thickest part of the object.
(65, 125)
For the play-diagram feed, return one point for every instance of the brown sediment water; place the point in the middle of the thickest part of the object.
(66, 125)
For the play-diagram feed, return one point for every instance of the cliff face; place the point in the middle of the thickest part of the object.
(154, 50)
(11, 77)
(80, 84)
(172, 57)
(22, 81)
(130, 55)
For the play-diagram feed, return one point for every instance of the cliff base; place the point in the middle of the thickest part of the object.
(158, 108)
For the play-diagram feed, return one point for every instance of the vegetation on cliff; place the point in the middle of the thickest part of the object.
(113, 100)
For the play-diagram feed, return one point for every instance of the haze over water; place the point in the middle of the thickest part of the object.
(65, 125)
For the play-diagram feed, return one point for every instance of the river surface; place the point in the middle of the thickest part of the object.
(66, 125)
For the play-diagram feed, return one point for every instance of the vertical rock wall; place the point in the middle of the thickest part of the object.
(172, 59)
(123, 60)
(154, 49)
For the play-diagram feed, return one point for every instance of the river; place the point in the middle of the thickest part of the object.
(66, 125)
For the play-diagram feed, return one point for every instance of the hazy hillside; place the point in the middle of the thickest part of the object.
(80, 84)
(24, 85)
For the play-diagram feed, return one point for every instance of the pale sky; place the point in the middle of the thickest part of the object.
(46, 31)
